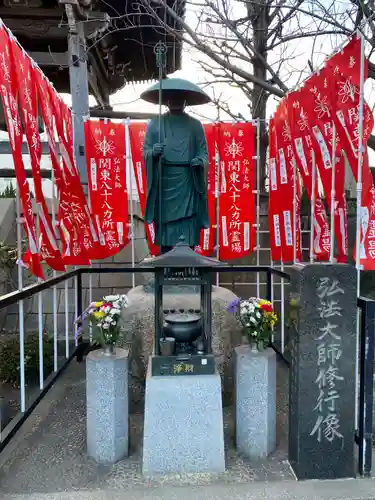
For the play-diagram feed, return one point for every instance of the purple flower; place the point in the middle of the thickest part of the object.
(233, 305)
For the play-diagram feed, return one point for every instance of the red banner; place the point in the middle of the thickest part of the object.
(237, 182)
(137, 133)
(303, 153)
(314, 98)
(80, 243)
(27, 95)
(343, 70)
(207, 242)
(9, 88)
(106, 168)
(288, 188)
(274, 205)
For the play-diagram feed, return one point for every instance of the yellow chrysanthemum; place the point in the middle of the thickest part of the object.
(263, 301)
(99, 304)
(98, 314)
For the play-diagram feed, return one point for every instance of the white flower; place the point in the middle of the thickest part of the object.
(257, 314)
(105, 326)
(114, 311)
(113, 323)
(111, 298)
(251, 308)
(254, 333)
(253, 320)
(247, 324)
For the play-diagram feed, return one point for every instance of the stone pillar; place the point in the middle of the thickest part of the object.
(322, 327)
(107, 406)
(183, 428)
(255, 402)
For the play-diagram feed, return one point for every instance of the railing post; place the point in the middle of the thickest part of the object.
(269, 285)
(79, 311)
(366, 386)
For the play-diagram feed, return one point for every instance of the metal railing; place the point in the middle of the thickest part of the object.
(363, 436)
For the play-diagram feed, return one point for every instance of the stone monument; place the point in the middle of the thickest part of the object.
(322, 324)
(183, 427)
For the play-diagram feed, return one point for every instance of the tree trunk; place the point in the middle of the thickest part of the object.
(259, 16)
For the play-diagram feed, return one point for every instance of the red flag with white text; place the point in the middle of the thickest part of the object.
(25, 75)
(207, 241)
(314, 98)
(106, 168)
(343, 80)
(8, 91)
(288, 188)
(237, 183)
(137, 133)
(81, 240)
(274, 205)
(305, 158)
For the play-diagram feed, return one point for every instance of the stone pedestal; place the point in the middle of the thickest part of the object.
(107, 406)
(321, 317)
(255, 386)
(183, 427)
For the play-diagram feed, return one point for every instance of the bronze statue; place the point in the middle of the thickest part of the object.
(176, 146)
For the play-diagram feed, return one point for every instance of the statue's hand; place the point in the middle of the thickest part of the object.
(158, 149)
(196, 162)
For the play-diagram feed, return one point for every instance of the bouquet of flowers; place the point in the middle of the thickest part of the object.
(258, 318)
(106, 317)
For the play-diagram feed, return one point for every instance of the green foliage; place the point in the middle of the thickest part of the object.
(8, 192)
(10, 359)
(8, 257)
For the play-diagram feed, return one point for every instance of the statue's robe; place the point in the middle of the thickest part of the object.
(184, 209)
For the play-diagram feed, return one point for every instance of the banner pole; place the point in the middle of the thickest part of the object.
(128, 170)
(333, 194)
(294, 211)
(359, 210)
(258, 203)
(313, 199)
(21, 312)
(54, 290)
(217, 182)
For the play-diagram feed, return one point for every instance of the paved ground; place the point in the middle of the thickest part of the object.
(49, 455)
(287, 490)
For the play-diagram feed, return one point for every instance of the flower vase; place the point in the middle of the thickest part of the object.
(108, 349)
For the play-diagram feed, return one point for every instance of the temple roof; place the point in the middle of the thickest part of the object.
(122, 54)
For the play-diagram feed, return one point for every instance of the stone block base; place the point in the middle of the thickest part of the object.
(183, 428)
(107, 406)
(255, 382)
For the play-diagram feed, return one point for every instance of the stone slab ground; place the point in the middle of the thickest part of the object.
(47, 461)
(353, 489)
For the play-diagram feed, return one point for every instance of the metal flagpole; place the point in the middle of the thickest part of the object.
(217, 195)
(333, 193)
(294, 211)
(258, 202)
(160, 52)
(129, 165)
(359, 205)
(313, 199)
(21, 313)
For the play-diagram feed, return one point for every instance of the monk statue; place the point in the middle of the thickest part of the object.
(181, 148)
